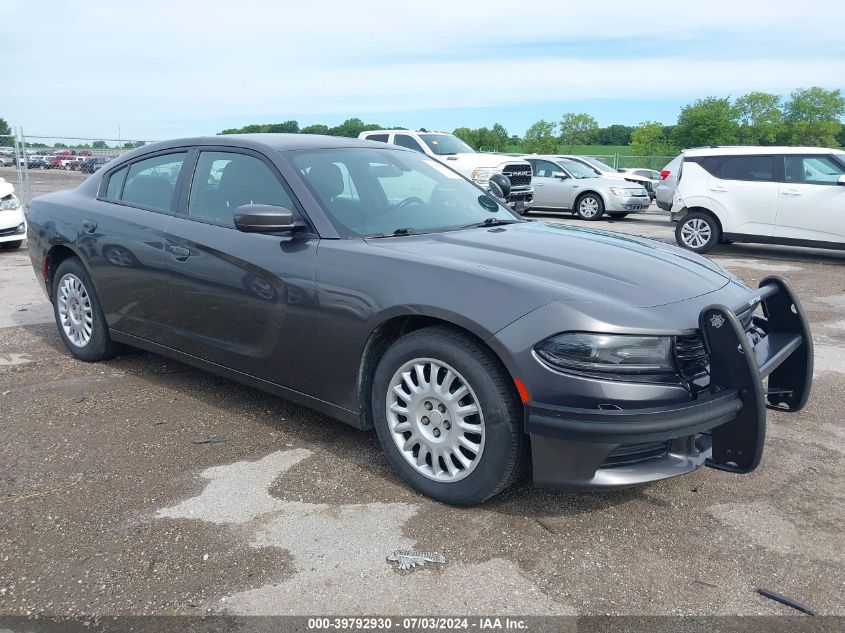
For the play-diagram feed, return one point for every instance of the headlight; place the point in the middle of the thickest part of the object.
(626, 192)
(10, 202)
(482, 174)
(618, 353)
(21, 228)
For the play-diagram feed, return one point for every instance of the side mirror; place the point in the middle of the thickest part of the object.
(502, 184)
(560, 174)
(841, 181)
(263, 218)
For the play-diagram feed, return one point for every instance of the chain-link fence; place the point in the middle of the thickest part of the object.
(50, 163)
(624, 161)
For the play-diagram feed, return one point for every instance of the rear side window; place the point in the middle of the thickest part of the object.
(811, 170)
(151, 183)
(403, 140)
(382, 138)
(754, 168)
(115, 184)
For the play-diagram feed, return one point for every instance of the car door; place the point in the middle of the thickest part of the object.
(744, 191)
(811, 204)
(123, 236)
(550, 191)
(241, 300)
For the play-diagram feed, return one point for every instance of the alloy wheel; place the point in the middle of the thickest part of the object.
(435, 420)
(75, 311)
(588, 207)
(695, 233)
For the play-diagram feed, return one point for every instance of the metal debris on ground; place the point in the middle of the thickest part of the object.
(211, 439)
(408, 558)
(789, 602)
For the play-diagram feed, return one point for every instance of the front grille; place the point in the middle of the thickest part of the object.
(630, 454)
(7, 232)
(691, 357)
(519, 175)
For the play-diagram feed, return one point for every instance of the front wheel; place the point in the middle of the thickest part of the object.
(589, 207)
(697, 232)
(79, 317)
(447, 417)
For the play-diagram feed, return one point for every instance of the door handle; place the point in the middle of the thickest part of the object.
(538, 184)
(790, 192)
(180, 253)
(718, 189)
(89, 225)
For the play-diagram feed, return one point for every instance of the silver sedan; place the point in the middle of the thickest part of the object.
(568, 185)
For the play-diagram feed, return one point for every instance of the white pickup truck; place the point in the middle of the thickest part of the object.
(478, 166)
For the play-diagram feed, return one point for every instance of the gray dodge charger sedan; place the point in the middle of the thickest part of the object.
(383, 289)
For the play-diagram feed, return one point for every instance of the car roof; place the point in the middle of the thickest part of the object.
(404, 132)
(743, 150)
(280, 142)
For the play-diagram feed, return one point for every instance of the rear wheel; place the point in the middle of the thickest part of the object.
(446, 415)
(698, 232)
(589, 207)
(78, 314)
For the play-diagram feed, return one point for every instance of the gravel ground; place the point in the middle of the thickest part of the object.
(108, 506)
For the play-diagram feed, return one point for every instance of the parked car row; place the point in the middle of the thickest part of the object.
(773, 195)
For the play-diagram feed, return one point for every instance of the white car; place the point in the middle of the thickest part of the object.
(606, 171)
(772, 195)
(569, 185)
(12, 220)
(652, 174)
(477, 166)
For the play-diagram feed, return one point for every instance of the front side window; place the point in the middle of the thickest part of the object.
(393, 190)
(224, 181)
(544, 168)
(151, 183)
(403, 140)
(382, 138)
(812, 170)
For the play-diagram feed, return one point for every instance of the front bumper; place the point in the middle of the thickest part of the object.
(628, 204)
(724, 427)
(12, 225)
(520, 199)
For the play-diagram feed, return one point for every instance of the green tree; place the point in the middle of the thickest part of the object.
(352, 128)
(540, 138)
(812, 116)
(840, 138)
(515, 140)
(99, 145)
(577, 129)
(501, 136)
(760, 118)
(317, 128)
(467, 135)
(648, 139)
(5, 130)
(288, 127)
(709, 121)
(133, 144)
(59, 146)
(614, 135)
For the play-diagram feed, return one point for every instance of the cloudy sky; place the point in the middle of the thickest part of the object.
(162, 69)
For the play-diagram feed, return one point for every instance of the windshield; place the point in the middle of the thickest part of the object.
(369, 192)
(578, 170)
(595, 162)
(445, 144)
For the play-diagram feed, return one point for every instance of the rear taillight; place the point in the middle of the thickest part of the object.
(664, 174)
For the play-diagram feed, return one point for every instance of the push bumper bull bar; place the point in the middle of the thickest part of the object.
(733, 411)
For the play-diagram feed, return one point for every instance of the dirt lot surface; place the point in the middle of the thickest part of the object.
(108, 505)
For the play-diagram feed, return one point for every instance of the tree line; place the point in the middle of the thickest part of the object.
(809, 116)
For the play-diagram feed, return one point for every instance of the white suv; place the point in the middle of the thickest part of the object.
(772, 195)
(477, 166)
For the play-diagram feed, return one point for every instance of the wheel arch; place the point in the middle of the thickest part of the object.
(54, 258)
(391, 330)
(705, 211)
(581, 194)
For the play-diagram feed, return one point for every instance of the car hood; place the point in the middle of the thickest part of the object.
(601, 182)
(567, 263)
(6, 188)
(465, 163)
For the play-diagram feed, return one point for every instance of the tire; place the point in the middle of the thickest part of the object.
(698, 232)
(589, 206)
(11, 246)
(617, 216)
(75, 303)
(470, 476)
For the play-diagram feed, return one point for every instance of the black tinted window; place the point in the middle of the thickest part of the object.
(115, 184)
(224, 181)
(758, 168)
(151, 183)
(378, 137)
(403, 140)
